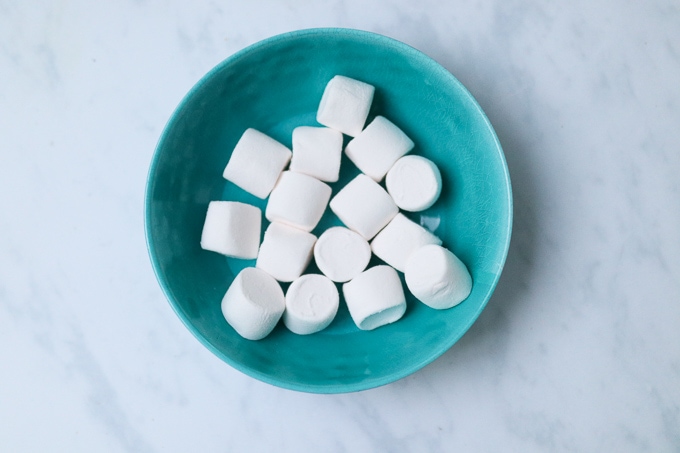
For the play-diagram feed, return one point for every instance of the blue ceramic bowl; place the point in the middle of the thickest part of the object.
(275, 86)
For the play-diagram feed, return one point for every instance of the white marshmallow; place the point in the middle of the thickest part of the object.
(317, 152)
(345, 104)
(253, 304)
(232, 228)
(399, 239)
(364, 206)
(341, 254)
(285, 252)
(256, 163)
(375, 297)
(437, 277)
(298, 200)
(378, 147)
(311, 304)
(414, 182)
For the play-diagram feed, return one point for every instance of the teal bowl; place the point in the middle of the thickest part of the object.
(275, 86)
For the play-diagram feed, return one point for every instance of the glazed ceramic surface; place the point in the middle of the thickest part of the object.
(275, 86)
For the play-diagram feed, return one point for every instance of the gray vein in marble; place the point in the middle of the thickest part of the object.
(103, 399)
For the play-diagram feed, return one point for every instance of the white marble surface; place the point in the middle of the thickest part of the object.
(578, 350)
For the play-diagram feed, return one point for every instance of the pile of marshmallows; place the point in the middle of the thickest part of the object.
(298, 197)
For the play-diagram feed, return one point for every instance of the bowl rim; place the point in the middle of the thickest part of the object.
(376, 39)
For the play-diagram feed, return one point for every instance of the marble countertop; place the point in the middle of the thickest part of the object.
(578, 349)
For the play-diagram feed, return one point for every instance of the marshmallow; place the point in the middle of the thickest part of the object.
(345, 104)
(256, 163)
(311, 304)
(341, 254)
(414, 183)
(317, 152)
(399, 239)
(375, 297)
(364, 206)
(232, 228)
(285, 252)
(253, 304)
(298, 200)
(437, 277)
(378, 147)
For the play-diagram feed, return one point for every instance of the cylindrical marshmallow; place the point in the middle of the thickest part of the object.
(378, 147)
(253, 304)
(232, 228)
(311, 304)
(399, 239)
(256, 163)
(375, 297)
(298, 200)
(364, 206)
(341, 254)
(345, 104)
(437, 278)
(285, 252)
(317, 152)
(414, 182)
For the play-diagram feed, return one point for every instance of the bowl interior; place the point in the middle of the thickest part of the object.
(275, 86)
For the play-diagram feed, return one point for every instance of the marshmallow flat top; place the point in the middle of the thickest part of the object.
(378, 147)
(414, 183)
(364, 206)
(232, 229)
(298, 200)
(375, 297)
(437, 277)
(311, 304)
(253, 304)
(256, 163)
(285, 252)
(317, 152)
(399, 239)
(341, 254)
(345, 104)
